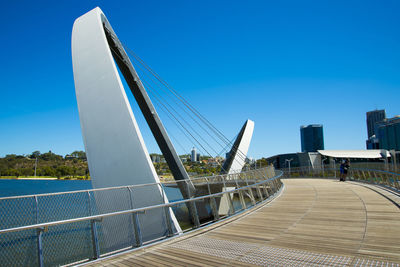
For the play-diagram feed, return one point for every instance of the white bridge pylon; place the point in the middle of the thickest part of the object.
(116, 152)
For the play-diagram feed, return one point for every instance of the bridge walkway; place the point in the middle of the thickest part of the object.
(314, 222)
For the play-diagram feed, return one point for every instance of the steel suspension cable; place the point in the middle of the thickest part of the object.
(190, 107)
(186, 103)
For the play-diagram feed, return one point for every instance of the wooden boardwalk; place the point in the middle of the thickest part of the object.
(314, 222)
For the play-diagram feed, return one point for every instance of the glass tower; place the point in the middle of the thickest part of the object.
(389, 133)
(312, 138)
(373, 117)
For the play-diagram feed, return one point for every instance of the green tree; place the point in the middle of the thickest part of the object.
(14, 172)
(79, 154)
(26, 171)
(63, 171)
(35, 154)
(10, 156)
(51, 156)
(47, 171)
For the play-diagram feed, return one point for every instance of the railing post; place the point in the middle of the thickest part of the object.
(167, 215)
(214, 210)
(357, 173)
(259, 192)
(241, 197)
(277, 185)
(39, 233)
(375, 178)
(387, 178)
(396, 181)
(258, 186)
(168, 221)
(230, 203)
(250, 189)
(213, 203)
(272, 186)
(193, 209)
(363, 174)
(264, 186)
(135, 221)
(380, 178)
(334, 168)
(93, 230)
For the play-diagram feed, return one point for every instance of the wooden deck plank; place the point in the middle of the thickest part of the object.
(314, 218)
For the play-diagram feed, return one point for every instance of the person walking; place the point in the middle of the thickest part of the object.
(346, 167)
(341, 169)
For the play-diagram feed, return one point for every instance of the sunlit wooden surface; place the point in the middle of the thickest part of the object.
(314, 222)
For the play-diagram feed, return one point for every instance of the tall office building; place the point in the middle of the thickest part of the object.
(388, 133)
(312, 138)
(193, 155)
(373, 117)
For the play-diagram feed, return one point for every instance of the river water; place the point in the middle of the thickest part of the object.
(14, 187)
(65, 243)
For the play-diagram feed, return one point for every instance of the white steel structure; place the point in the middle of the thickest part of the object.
(242, 148)
(116, 152)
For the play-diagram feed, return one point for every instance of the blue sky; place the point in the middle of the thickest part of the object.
(282, 65)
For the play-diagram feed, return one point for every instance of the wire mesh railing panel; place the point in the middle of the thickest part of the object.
(70, 242)
(154, 219)
(19, 248)
(110, 200)
(16, 212)
(62, 206)
(181, 211)
(63, 244)
(115, 232)
(378, 177)
(172, 192)
(63, 228)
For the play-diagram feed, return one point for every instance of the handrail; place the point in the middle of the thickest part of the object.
(137, 210)
(294, 169)
(55, 228)
(388, 179)
(380, 171)
(135, 186)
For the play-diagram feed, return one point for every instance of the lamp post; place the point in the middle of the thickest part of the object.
(35, 166)
(334, 166)
(289, 160)
(36, 160)
(384, 158)
(323, 170)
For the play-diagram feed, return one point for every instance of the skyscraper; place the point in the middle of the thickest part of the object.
(388, 133)
(193, 155)
(312, 138)
(373, 117)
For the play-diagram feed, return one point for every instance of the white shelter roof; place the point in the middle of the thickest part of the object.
(363, 154)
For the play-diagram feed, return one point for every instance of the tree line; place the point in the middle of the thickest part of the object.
(75, 165)
(47, 164)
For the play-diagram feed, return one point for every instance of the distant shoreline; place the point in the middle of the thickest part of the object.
(43, 178)
(34, 178)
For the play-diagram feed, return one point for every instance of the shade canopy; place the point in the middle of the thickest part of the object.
(361, 154)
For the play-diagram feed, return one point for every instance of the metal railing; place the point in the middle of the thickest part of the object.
(382, 166)
(387, 179)
(65, 228)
